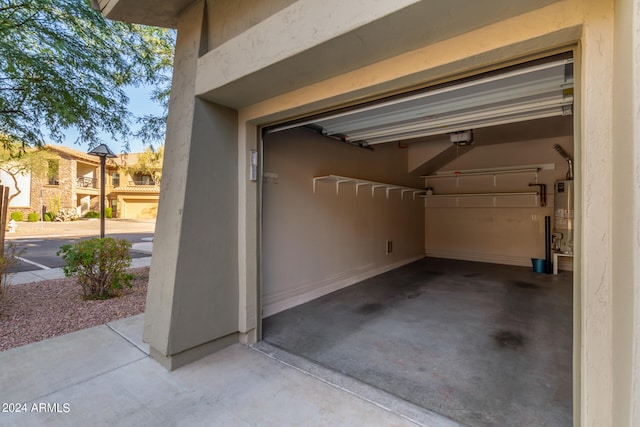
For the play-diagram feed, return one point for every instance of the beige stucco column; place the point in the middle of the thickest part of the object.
(625, 257)
(592, 279)
(192, 305)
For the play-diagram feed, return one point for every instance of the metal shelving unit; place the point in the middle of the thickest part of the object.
(533, 169)
(363, 182)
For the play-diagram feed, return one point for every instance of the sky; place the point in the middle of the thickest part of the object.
(139, 104)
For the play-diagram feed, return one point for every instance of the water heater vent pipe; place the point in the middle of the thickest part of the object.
(568, 158)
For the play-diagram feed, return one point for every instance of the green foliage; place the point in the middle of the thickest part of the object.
(54, 205)
(33, 217)
(17, 216)
(49, 216)
(99, 265)
(149, 162)
(94, 214)
(63, 65)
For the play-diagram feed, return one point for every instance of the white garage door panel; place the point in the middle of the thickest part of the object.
(528, 93)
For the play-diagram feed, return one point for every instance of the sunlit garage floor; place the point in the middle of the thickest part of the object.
(483, 344)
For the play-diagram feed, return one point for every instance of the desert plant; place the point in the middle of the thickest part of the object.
(49, 216)
(33, 217)
(66, 214)
(99, 265)
(17, 216)
(54, 205)
(92, 214)
(108, 212)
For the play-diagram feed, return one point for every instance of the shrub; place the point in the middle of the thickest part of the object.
(92, 214)
(67, 214)
(99, 265)
(49, 216)
(33, 217)
(108, 212)
(17, 216)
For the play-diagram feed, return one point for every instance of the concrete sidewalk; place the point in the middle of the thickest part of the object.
(103, 376)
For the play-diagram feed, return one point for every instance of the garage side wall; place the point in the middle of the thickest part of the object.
(316, 243)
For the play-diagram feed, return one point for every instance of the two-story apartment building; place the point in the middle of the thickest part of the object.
(71, 181)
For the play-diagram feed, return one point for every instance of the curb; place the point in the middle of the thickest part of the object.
(24, 277)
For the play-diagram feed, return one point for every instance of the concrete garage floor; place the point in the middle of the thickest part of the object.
(482, 344)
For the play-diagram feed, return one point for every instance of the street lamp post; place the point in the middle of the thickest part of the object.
(103, 152)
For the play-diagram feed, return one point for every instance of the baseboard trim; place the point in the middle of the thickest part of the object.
(481, 257)
(175, 361)
(277, 302)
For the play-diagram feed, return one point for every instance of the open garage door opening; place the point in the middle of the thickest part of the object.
(409, 242)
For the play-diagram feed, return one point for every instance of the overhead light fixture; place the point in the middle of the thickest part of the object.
(462, 139)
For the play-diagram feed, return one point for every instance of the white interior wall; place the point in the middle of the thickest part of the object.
(315, 243)
(23, 181)
(512, 232)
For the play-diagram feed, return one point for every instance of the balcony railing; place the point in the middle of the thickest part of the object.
(143, 182)
(86, 182)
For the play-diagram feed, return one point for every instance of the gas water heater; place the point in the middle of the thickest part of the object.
(562, 240)
(563, 224)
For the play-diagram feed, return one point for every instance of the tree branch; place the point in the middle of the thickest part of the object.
(15, 184)
(12, 7)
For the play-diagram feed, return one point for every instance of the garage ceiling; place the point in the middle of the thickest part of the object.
(524, 93)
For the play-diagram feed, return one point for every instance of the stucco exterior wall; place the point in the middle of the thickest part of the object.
(227, 19)
(626, 215)
(192, 305)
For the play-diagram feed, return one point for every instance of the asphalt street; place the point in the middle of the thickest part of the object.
(40, 252)
(38, 243)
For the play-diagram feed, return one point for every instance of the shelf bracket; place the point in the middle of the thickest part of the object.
(358, 184)
(407, 190)
(373, 188)
(338, 182)
(392, 188)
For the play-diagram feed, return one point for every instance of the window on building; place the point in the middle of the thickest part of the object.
(53, 172)
(143, 179)
(115, 180)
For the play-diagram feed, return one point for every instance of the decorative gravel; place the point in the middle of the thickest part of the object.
(37, 311)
